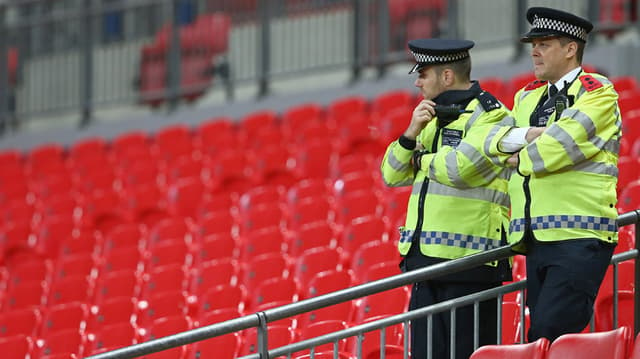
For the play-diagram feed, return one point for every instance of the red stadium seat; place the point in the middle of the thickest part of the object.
(263, 267)
(171, 303)
(262, 241)
(321, 328)
(16, 346)
(212, 315)
(534, 350)
(166, 253)
(275, 290)
(298, 117)
(311, 235)
(326, 282)
(391, 100)
(363, 230)
(72, 315)
(26, 295)
(163, 327)
(603, 309)
(278, 336)
(373, 253)
(114, 336)
(171, 277)
(76, 288)
(220, 304)
(223, 347)
(215, 247)
(629, 197)
(213, 273)
(316, 260)
(121, 283)
(20, 322)
(390, 302)
(70, 341)
(610, 344)
(111, 311)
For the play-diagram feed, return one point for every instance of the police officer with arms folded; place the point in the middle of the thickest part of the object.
(563, 193)
(459, 203)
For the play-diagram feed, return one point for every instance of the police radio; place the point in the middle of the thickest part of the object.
(448, 113)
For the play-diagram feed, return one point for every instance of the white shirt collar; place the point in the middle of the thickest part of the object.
(568, 77)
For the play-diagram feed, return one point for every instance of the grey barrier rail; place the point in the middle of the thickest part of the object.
(261, 319)
(76, 57)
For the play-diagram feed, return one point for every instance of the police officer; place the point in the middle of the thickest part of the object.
(563, 195)
(459, 203)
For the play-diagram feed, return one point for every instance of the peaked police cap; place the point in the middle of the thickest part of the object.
(547, 22)
(438, 51)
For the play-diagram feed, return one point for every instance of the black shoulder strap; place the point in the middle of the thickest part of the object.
(488, 101)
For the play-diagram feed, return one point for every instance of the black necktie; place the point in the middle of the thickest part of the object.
(553, 90)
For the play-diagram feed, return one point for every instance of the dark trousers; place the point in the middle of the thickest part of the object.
(432, 292)
(562, 283)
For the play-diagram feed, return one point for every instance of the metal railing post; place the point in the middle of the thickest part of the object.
(173, 65)
(86, 76)
(521, 28)
(263, 339)
(264, 48)
(4, 73)
(358, 40)
(382, 45)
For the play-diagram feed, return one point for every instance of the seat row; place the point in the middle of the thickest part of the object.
(614, 344)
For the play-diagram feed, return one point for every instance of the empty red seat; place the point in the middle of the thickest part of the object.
(163, 327)
(152, 76)
(114, 336)
(278, 336)
(213, 273)
(262, 241)
(321, 328)
(221, 303)
(534, 350)
(629, 197)
(16, 346)
(390, 100)
(610, 344)
(316, 260)
(311, 235)
(361, 230)
(389, 302)
(223, 347)
(20, 322)
(72, 315)
(76, 288)
(111, 311)
(275, 289)
(326, 282)
(70, 341)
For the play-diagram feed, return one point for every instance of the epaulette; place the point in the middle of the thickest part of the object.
(534, 85)
(488, 101)
(590, 83)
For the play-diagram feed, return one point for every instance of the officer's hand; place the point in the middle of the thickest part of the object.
(533, 133)
(513, 160)
(422, 115)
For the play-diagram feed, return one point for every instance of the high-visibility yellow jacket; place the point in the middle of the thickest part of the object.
(565, 185)
(459, 202)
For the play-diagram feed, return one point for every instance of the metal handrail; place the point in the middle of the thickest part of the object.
(261, 319)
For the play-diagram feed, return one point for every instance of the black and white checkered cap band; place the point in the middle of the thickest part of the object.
(561, 26)
(444, 58)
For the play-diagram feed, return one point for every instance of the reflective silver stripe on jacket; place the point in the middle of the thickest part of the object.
(395, 163)
(479, 193)
(566, 221)
(452, 240)
(482, 166)
(479, 110)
